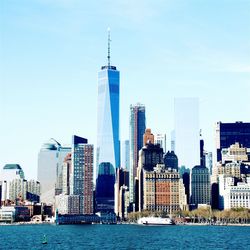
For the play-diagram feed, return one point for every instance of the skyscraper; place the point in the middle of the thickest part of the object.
(105, 199)
(187, 131)
(227, 134)
(108, 147)
(82, 166)
(136, 130)
(125, 161)
(200, 185)
(49, 173)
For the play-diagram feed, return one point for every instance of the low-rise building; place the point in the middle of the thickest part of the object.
(7, 214)
(233, 194)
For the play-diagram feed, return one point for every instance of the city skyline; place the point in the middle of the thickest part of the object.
(51, 54)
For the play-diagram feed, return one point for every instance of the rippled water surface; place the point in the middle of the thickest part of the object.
(124, 237)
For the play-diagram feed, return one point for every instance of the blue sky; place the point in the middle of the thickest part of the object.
(51, 51)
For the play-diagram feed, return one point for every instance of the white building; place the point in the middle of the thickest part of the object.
(233, 196)
(7, 214)
(67, 204)
(49, 172)
(182, 195)
(9, 173)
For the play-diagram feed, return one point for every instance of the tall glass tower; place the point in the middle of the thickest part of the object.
(108, 146)
(187, 131)
(137, 125)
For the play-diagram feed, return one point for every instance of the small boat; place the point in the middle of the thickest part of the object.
(155, 221)
(44, 240)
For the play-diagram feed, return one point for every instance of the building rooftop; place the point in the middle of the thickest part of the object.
(12, 166)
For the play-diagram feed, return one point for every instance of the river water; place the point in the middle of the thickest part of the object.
(124, 237)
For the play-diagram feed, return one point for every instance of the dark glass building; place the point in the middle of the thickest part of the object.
(230, 133)
(171, 160)
(150, 155)
(200, 186)
(105, 188)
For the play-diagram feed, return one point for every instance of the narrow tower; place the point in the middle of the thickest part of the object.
(108, 147)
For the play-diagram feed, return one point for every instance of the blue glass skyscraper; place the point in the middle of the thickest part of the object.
(108, 146)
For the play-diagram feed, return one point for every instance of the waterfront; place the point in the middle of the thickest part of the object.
(124, 237)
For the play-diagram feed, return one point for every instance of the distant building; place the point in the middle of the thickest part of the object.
(209, 161)
(62, 153)
(187, 129)
(171, 160)
(68, 204)
(125, 158)
(67, 175)
(149, 156)
(137, 127)
(148, 137)
(235, 152)
(172, 140)
(182, 196)
(18, 189)
(185, 176)
(161, 139)
(49, 172)
(200, 186)
(121, 190)
(227, 134)
(9, 173)
(161, 190)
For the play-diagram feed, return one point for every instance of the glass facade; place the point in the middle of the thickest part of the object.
(230, 133)
(187, 131)
(105, 188)
(137, 128)
(108, 145)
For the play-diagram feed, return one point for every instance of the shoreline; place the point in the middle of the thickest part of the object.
(180, 224)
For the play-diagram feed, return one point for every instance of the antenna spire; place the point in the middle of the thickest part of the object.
(109, 40)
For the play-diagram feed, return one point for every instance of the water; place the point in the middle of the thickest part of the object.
(124, 237)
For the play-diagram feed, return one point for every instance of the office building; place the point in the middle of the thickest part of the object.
(149, 156)
(63, 151)
(171, 160)
(49, 172)
(209, 161)
(227, 134)
(67, 175)
(161, 190)
(172, 141)
(121, 188)
(82, 168)
(185, 176)
(9, 173)
(148, 137)
(200, 186)
(187, 129)
(161, 139)
(105, 188)
(137, 127)
(125, 160)
(108, 145)
(233, 193)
